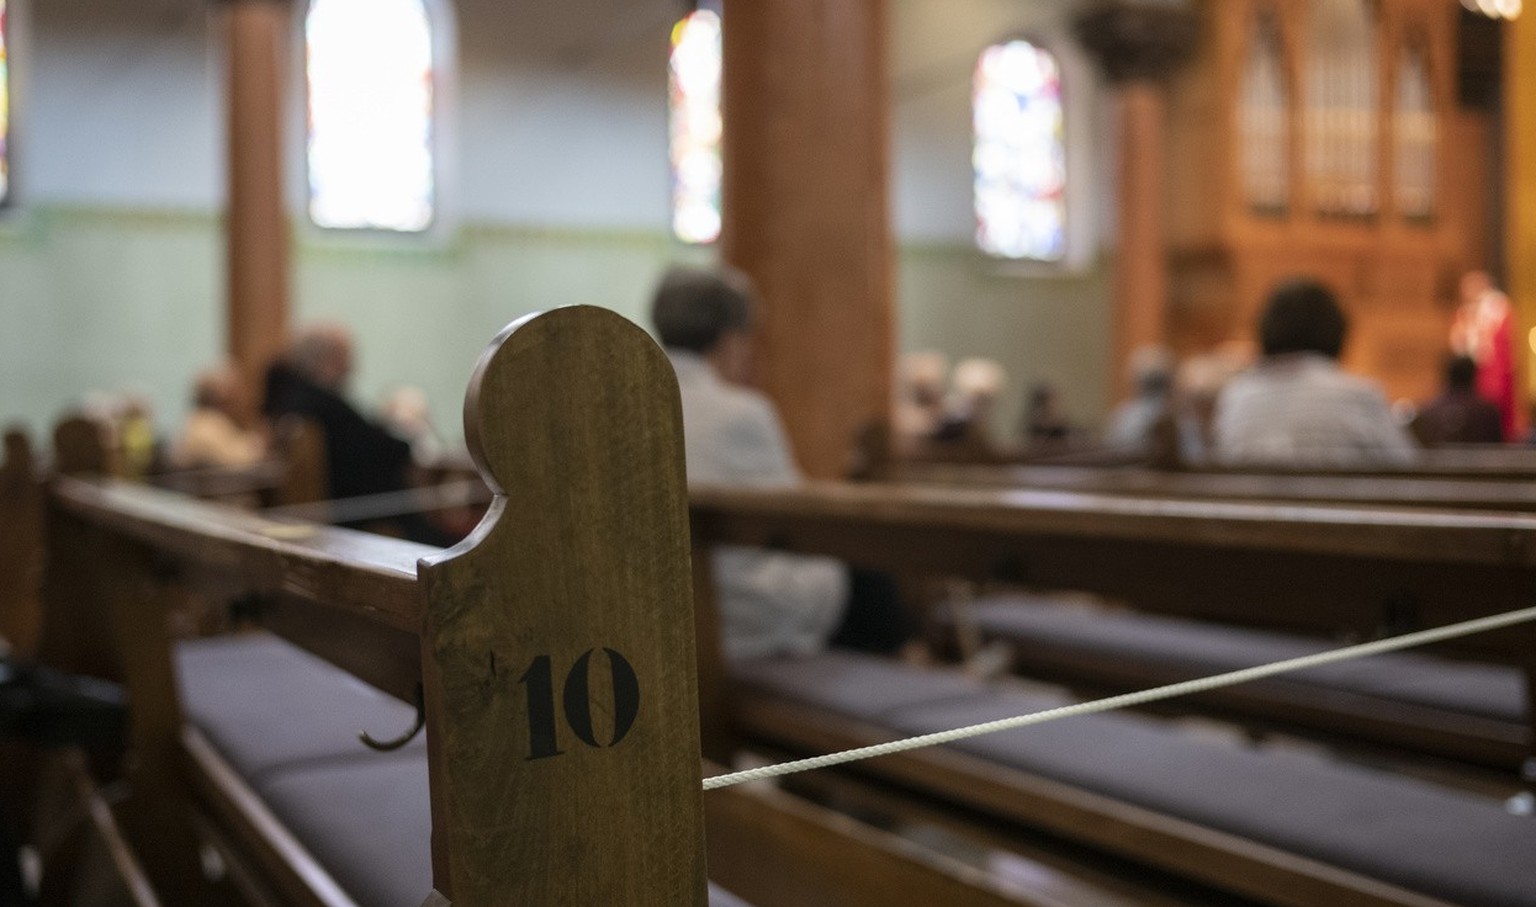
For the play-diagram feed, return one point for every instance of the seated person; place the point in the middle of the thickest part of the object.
(212, 435)
(771, 603)
(1133, 423)
(361, 456)
(1459, 415)
(1295, 406)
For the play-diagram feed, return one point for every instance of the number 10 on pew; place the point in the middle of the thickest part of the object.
(576, 702)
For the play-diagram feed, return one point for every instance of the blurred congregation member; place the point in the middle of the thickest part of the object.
(212, 435)
(771, 603)
(1483, 331)
(310, 382)
(1459, 415)
(1295, 406)
(1045, 427)
(919, 409)
(967, 419)
(1133, 423)
(1198, 385)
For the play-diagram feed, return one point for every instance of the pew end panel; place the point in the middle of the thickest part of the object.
(558, 640)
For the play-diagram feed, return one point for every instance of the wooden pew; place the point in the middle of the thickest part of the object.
(455, 628)
(1476, 735)
(1485, 492)
(598, 564)
(1469, 462)
(1324, 569)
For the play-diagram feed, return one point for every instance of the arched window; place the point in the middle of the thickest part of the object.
(1020, 155)
(1414, 128)
(1264, 120)
(5, 104)
(1343, 116)
(694, 94)
(371, 97)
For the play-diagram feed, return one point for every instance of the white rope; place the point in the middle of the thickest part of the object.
(1127, 700)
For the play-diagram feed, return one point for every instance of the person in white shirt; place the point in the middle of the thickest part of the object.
(1295, 406)
(771, 603)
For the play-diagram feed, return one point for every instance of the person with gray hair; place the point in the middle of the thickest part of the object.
(362, 457)
(771, 603)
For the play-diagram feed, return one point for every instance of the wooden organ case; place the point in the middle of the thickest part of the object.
(1322, 138)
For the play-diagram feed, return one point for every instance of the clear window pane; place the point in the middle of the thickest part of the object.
(369, 66)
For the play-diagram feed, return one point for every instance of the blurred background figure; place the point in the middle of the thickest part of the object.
(1459, 415)
(362, 457)
(1133, 422)
(1482, 331)
(1045, 426)
(921, 378)
(1198, 384)
(1295, 406)
(972, 399)
(406, 413)
(213, 435)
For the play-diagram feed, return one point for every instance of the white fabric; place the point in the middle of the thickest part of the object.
(1130, 425)
(771, 603)
(1303, 410)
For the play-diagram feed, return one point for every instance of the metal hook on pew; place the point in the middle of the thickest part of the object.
(387, 746)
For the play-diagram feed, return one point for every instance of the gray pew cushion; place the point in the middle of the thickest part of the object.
(1422, 837)
(266, 704)
(858, 686)
(1491, 691)
(370, 826)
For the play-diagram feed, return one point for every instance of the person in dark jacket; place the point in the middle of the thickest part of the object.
(1459, 415)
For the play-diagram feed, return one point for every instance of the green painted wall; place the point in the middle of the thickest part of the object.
(108, 299)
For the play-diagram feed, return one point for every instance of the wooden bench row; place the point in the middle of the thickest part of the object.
(550, 655)
(1276, 827)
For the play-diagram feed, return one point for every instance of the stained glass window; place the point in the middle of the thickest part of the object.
(369, 67)
(694, 84)
(1264, 120)
(1343, 118)
(5, 104)
(1020, 155)
(1414, 125)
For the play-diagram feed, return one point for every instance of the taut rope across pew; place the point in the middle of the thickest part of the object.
(1129, 700)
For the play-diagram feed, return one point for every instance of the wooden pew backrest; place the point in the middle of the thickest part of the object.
(21, 544)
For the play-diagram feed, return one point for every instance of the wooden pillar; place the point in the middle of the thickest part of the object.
(1520, 187)
(1141, 270)
(1138, 45)
(256, 221)
(806, 159)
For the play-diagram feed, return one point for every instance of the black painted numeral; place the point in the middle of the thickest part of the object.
(577, 700)
(541, 710)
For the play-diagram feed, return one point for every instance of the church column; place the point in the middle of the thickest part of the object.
(256, 34)
(1520, 180)
(806, 214)
(1138, 45)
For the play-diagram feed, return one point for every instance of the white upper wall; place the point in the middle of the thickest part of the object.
(557, 114)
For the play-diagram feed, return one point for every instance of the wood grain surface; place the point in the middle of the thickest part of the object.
(558, 648)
